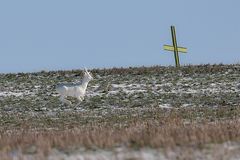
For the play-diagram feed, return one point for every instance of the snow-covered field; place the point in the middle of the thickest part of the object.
(167, 88)
(134, 92)
(225, 151)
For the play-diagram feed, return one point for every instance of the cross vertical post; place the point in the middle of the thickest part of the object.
(174, 41)
(175, 47)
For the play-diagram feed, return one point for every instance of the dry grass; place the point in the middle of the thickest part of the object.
(168, 132)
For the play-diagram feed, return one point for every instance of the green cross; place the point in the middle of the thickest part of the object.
(174, 47)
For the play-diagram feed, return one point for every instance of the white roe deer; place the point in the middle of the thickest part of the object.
(74, 90)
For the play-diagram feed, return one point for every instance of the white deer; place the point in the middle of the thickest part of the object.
(74, 90)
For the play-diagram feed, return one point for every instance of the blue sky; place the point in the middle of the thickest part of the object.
(62, 35)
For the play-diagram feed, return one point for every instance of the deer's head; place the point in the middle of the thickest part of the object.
(87, 74)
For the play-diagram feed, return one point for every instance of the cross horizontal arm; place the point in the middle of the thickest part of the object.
(171, 48)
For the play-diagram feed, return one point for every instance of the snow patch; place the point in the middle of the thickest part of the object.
(8, 94)
(15, 94)
(165, 106)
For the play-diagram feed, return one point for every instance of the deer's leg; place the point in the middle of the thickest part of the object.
(62, 99)
(80, 99)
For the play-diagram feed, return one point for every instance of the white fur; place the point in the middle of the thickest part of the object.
(74, 90)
